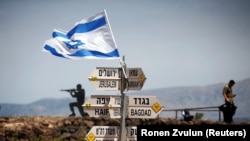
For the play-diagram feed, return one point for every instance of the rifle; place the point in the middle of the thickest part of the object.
(68, 90)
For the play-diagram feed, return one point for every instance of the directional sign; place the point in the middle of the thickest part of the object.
(106, 78)
(105, 73)
(99, 133)
(136, 78)
(110, 133)
(108, 84)
(103, 112)
(141, 112)
(103, 106)
(103, 100)
(144, 107)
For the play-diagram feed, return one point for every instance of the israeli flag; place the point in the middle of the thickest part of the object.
(90, 38)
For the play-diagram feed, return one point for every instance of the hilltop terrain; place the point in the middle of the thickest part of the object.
(170, 98)
(48, 128)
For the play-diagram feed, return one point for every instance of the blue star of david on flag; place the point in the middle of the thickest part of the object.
(73, 44)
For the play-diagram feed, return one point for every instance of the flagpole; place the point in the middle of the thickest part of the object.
(110, 29)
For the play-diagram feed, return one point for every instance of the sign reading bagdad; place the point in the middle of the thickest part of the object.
(144, 107)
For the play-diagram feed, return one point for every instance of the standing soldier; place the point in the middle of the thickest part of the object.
(228, 108)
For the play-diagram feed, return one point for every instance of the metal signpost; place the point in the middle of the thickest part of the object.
(122, 133)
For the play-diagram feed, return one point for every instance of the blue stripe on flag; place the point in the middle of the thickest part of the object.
(53, 51)
(59, 34)
(85, 53)
(86, 27)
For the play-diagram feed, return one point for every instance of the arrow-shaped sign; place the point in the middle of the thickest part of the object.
(136, 78)
(101, 133)
(106, 78)
(144, 107)
(103, 106)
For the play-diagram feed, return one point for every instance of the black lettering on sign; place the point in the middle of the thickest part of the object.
(102, 100)
(107, 84)
(133, 84)
(133, 72)
(102, 112)
(105, 131)
(141, 101)
(133, 132)
(140, 112)
(107, 72)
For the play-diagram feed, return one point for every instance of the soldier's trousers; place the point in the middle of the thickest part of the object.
(228, 111)
(78, 105)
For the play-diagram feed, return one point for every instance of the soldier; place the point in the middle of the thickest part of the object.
(228, 108)
(79, 94)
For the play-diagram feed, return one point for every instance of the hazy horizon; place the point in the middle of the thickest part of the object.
(176, 43)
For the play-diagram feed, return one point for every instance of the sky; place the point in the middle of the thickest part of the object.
(175, 42)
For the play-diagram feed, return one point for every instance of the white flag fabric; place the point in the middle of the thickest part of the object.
(90, 38)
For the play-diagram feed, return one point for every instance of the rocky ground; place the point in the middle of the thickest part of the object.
(42, 128)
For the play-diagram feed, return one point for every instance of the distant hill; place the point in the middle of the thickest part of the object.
(203, 96)
(171, 98)
(43, 107)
